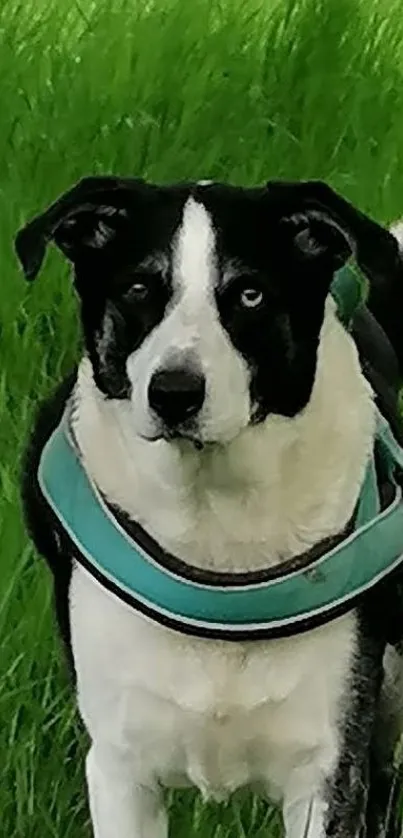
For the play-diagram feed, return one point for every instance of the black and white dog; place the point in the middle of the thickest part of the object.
(221, 405)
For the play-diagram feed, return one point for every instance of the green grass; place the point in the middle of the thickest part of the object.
(242, 90)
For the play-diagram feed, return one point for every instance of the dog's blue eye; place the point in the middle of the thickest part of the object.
(251, 297)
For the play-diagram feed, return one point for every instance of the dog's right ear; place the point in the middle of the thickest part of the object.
(83, 220)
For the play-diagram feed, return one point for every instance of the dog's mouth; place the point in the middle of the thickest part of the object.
(178, 436)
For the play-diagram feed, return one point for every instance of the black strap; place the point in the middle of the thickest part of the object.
(380, 366)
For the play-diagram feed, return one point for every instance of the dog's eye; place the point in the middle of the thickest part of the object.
(251, 297)
(139, 290)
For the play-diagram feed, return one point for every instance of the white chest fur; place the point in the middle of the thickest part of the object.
(217, 715)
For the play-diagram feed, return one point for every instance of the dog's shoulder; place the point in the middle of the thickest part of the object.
(39, 520)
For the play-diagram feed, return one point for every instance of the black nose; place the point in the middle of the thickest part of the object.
(176, 395)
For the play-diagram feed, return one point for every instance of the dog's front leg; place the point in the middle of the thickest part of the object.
(315, 817)
(305, 817)
(122, 805)
(335, 810)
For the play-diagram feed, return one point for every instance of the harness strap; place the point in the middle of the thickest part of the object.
(284, 605)
(390, 448)
(347, 290)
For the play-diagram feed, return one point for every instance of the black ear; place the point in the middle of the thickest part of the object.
(374, 248)
(85, 218)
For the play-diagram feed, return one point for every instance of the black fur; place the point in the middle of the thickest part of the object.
(49, 539)
(352, 800)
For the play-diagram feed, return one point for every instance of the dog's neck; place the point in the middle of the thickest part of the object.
(270, 494)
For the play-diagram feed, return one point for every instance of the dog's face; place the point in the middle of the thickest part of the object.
(202, 304)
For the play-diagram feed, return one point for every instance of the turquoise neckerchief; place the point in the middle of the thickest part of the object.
(236, 607)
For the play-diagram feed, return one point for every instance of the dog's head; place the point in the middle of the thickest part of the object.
(203, 303)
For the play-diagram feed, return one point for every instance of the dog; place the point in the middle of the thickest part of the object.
(223, 411)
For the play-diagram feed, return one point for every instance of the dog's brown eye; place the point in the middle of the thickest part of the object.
(140, 289)
(252, 297)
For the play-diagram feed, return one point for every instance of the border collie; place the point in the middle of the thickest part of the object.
(221, 406)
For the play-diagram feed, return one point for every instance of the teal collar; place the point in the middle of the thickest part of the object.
(218, 605)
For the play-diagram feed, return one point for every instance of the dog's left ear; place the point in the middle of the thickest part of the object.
(83, 220)
(374, 248)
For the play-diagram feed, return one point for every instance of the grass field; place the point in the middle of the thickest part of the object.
(243, 90)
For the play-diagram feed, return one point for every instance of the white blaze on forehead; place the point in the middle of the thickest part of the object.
(194, 265)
